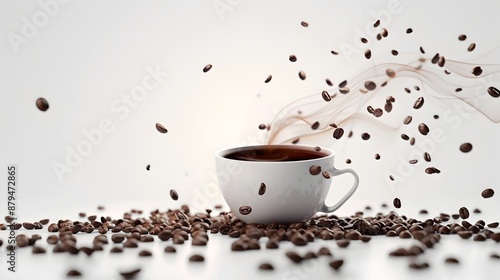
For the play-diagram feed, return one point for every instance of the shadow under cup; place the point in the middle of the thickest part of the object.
(277, 183)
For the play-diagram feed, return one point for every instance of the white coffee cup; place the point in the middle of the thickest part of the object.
(292, 192)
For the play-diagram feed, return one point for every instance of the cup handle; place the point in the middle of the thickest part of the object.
(329, 209)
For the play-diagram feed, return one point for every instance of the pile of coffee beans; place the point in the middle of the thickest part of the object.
(181, 226)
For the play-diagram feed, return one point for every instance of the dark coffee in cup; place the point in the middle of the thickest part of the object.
(275, 153)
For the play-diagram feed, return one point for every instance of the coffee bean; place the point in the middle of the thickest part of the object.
(170, 249)
(384, 32)
(377, 23)
(326, 174)
(87, 250)
(394, 52)
(299, 240)
(476, 71)
(493, 92)
(479, 237)
(161, 128)
(147, 238)
(422, 50)
(82, 214)
(432, 170)
(338, 132)
(266, 266)
(130, 274)
(348, 161)
(343, 243)
(22, 240)
(427, 157)
(471, 47)
(368, 54)
(463, 212)
(245, 210)
(302, 75)
(328, 82)
(364, 40)
(495, 256)
(173, 194)
(451, 260)
(418, 103)
(462, 37)
(73, 273)
(365, 136)
(466, 147)
(487, 193)
(396, 202)
(407, 120)
(199, 241)
(262, 126)
(414, 265)
(423, 129)
(268, 79)
(38, 250)
(315, 170)
(435, 59)
(441, 61)
(493, 225)
(315, 125)
(165, 235)
(44, 221)
(378, 112)
(389, 72)
(388, 107)
(116, 250)
(293, 256)
(262, 189)
(145, 253)
(336, 264)
(196, 258)
(369, 85)
(28, 226)
(409, 30)
(305, 24)
(130, 243)
(207, 68)
(405, 137)
(52, 239)
(292, 58)
(476, 210)
(344, 90)
(42, 104)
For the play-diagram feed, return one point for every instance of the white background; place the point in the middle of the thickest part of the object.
(87, 55)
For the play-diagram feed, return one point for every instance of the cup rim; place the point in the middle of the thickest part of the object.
(222, 152)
